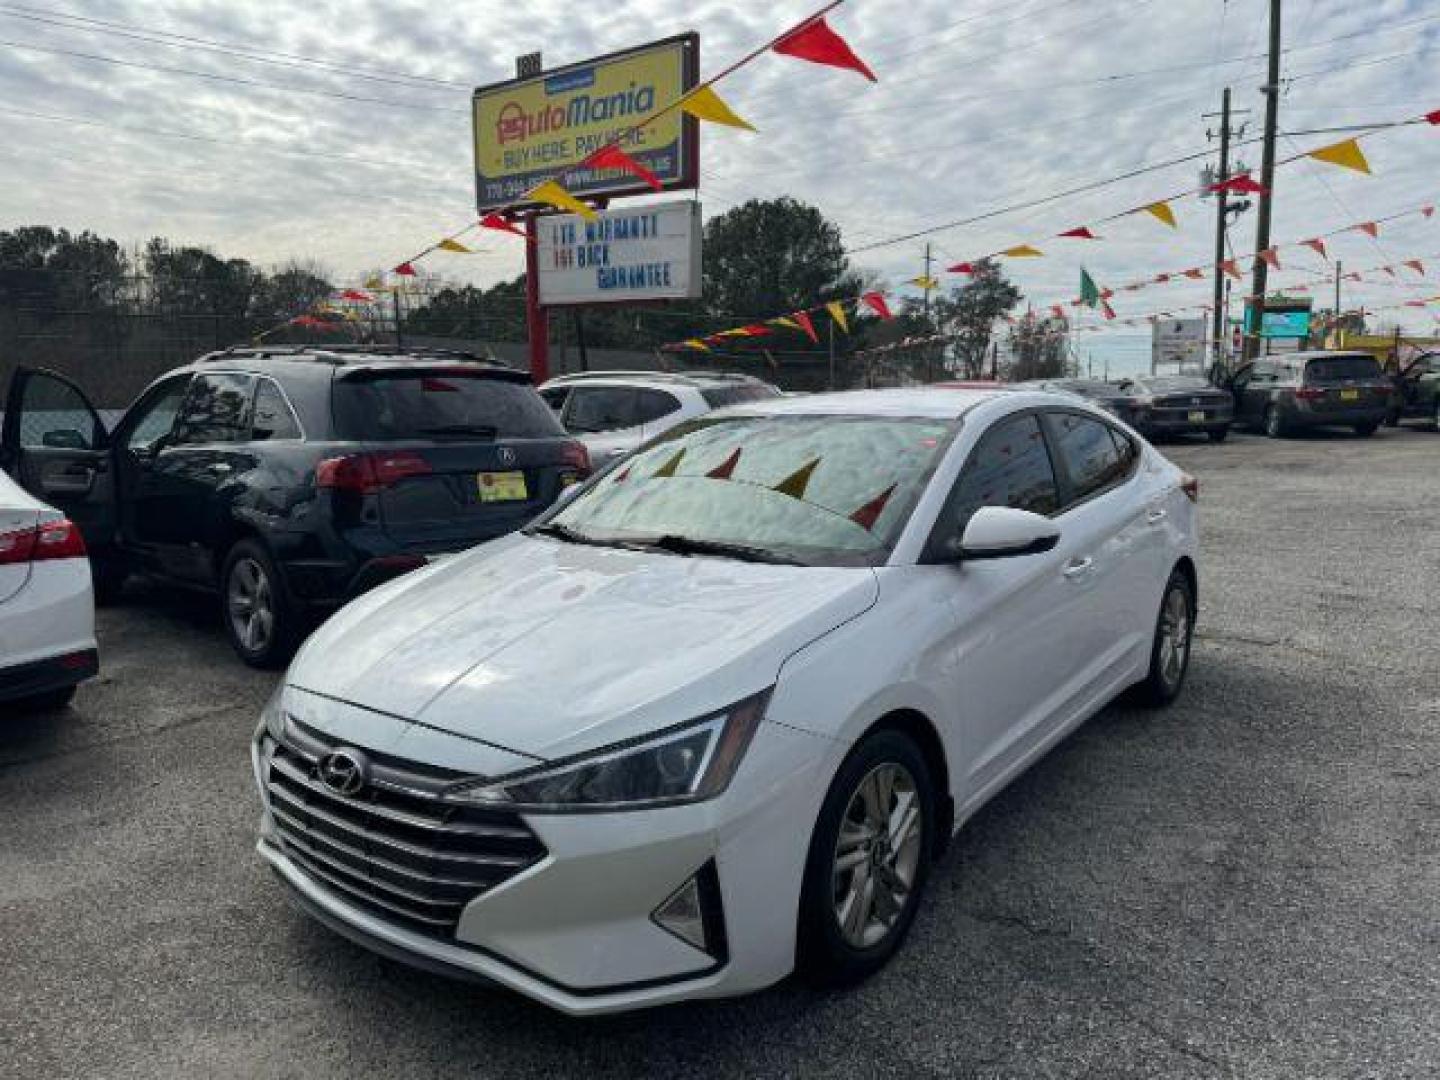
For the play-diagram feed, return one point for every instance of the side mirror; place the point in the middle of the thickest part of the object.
(64, 439)
(1000, 532)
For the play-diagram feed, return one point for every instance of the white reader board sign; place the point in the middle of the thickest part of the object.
(645, 253)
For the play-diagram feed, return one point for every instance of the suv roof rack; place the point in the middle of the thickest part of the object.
(341, 355)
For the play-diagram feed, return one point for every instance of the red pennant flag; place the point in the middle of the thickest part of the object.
(495, 221)
(726, 468)
(961, 268)
(1242, 184)
(1389, 270)
(1057, 311)
(1196, 273)
(876, 302)
(1433, 117)
(1317, 245)
(1107, 310)
(816, 42)
(405, 270)
(1231, 267)
(612, 157)
(1161, 279)
(1271, 258)
(1416, 265)
(1414, 303)
(1369, 228)
(803, 318)
(356, 294)
(1428, 211)
(1082, 233)
(870, 513)
(1106, 294)
(756, 330)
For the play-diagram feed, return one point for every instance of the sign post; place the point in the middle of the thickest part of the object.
(537, 319)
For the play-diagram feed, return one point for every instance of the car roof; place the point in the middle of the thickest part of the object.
(325, 361)
(699, 380)
(939, 402)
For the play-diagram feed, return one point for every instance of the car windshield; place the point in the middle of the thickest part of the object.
(1087, 387)
(440, 405)
(1340, 368)
(818, 490)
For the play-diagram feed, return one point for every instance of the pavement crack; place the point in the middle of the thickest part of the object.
(1179, 1045)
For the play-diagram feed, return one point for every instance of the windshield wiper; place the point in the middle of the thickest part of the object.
(575, 536)
(484, 431)
(690, 545)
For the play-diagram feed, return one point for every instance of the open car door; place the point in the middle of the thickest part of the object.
(54, 445)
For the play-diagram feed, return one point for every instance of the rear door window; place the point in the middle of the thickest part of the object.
(1091, 457)
(1341, 369)
(720, 397)
(439, 405)
(274, 419)
(651, 405)
(601, 408)
(216, 409)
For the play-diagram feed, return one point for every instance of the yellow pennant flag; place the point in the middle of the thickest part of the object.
(696, 343)
(1022, 251)
(795, 484)
(374, 282)
(552, 194)
(737, 332)
(453, 245)
(668, 469)
(1347, 155)
(789, 324)
(924, 281)
(1162, 212)
(705, 104)
(837, 312)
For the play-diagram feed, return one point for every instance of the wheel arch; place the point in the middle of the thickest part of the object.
(919, 728)
(1186, 565)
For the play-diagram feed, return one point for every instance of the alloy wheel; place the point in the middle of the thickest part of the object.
(1174, 637)
(877, 855)
(250, 605)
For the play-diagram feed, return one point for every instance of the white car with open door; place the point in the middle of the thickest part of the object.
(712, 718)
(47, 612)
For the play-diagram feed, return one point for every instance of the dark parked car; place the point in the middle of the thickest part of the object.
(289, 479)
(1107, 395)
(1417, 391)
(1285, 393)
(1161, 405)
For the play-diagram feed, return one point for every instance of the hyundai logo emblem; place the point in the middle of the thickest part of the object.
(507, 456)
(343, 771)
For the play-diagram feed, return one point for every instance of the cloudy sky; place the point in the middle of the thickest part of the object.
(363, 157)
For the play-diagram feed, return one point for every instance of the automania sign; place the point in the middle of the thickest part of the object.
(528, 130)
(648, 253)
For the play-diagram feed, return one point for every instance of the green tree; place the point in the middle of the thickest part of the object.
(768, 257)
(968, 315)
(1037, 349)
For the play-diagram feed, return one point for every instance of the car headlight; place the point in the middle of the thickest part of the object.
(272, 717)
(687, 763)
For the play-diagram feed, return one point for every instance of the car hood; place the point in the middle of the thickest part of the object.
(549, 648)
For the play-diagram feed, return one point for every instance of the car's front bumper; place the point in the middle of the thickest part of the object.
(575, 930)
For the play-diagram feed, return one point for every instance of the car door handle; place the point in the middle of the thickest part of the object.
(219, 468)
(1078, 567)
(1156, 515)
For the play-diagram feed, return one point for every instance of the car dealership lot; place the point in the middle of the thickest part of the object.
(1243, 885)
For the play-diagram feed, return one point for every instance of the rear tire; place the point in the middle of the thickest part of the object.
(108, 575)
(1366, 430)
(1170, 648)
(1218, 434)
(1274, 423)
(869, 861)
(260, 621)
(1435, 418)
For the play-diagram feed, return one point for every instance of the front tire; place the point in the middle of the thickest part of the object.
(1218, 434)
(259, 618)
(869, 860)
(1170, 647)
(1366, 430)
(49, 701)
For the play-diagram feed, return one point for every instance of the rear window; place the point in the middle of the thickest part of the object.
(440, 405)
(1336, 368)
(722, 396)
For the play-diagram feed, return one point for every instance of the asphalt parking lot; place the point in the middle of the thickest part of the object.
(1245, 885)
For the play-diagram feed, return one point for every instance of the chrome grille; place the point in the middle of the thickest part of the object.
(395, 847)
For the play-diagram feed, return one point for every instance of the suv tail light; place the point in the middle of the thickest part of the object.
(575, 455)
(368, 474)
(1309, 393)
(42, 543)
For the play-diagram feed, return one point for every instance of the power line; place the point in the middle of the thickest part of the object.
(288, 88)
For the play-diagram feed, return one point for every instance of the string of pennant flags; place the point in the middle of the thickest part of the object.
(812, 40)
(1346, 154)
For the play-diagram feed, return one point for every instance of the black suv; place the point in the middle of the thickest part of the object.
(1285, 393)
(289, 479)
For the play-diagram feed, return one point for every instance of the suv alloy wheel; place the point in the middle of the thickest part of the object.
(258, 617)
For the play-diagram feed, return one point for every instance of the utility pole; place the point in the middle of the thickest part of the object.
(1267, 181)
(1222, 210)
(399, 330)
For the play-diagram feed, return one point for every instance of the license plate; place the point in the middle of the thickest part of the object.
(502, 487)
(1197, 417)
(1349, 395)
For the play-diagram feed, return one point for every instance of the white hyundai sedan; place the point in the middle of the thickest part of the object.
(47, 609)
(712, 719)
